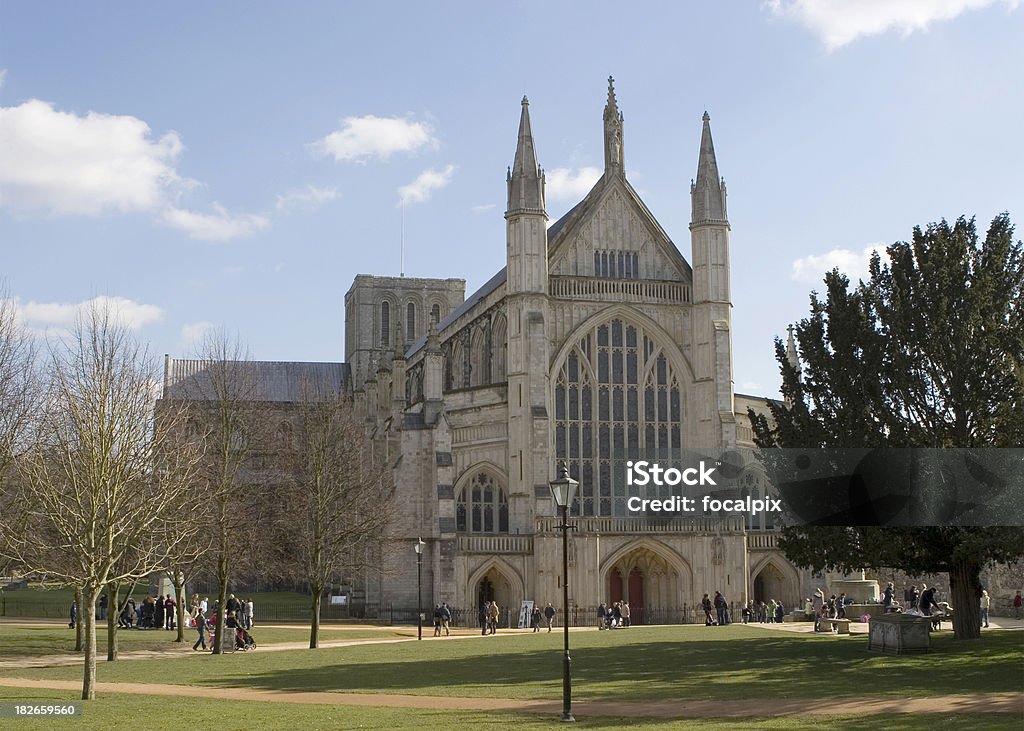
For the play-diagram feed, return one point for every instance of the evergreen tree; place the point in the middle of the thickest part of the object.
(928, 352)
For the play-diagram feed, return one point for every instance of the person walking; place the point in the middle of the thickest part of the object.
(535, 616)
(446, 618)
(492, 617)
(437, 620)
(625, 614)
(1018, 606)
(985, 602)
(705, 604)
(104, 600)
(549, 615)
(74, 614)
(200, 619)
(485, 609)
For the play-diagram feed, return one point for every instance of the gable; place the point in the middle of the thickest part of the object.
(613, 221)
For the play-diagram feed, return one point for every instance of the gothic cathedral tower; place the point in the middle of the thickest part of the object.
(528, 313)
(712, 299)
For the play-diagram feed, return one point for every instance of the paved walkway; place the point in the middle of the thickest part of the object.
(855, 706)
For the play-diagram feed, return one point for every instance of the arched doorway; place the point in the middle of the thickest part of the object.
(649, 582)
(770, 583)
(495, 583)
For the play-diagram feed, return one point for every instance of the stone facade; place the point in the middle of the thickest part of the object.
(599, 341)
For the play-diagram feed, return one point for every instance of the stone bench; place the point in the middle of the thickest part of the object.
(841, 626)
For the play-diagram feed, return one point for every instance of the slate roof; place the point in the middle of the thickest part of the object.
(261, 380)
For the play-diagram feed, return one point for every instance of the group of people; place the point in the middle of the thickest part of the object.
(614, 617)
(442, 619)
(834, 607)
(488, 616)
(238, 618)
(153, 612)
(720, 617)
(548, 615)
(757, 611)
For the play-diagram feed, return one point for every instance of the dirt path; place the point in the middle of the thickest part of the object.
(975, 703)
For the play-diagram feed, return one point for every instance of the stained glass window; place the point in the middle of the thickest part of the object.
(617, 401)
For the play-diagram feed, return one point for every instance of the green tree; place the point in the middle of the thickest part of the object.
(928, 352)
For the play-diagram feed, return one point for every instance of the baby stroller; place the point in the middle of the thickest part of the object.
(244, 640)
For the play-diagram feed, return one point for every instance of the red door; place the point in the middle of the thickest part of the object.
(614, 587)
(636, 592)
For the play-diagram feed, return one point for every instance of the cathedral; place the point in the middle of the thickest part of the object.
(597, 343)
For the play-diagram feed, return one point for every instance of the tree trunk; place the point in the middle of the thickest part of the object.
(314, 622)
(222, 598)
(179, 596)
(113, 594)
(965, 587)
(88, 616)
(78, 619)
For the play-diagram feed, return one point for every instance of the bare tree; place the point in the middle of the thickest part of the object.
(227, 398)
(105, 484)
(18, 399)
(339, 503)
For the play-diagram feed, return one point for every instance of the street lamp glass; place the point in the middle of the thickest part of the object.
(563, 489)
(419, 545)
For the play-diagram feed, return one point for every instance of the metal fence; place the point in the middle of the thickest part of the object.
(578, 616)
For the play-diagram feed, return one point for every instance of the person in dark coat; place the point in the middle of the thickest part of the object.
(927, 601)
(721, 608)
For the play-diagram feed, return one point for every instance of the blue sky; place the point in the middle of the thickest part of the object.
(237, 164)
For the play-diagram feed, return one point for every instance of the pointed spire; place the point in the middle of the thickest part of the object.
(525, 178)
(707, 193)
(791, 355)
(433, 340)
(613, 154)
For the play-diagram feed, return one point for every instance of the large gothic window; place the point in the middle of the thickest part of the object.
(385, 323)
(410, 322)
(482, 507)
(616, 398)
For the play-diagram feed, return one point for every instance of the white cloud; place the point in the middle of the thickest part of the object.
(565, 184)
(360, 138)
(424, 186)
(193, 334)
(839, 22)
(64, 164)
(483, 208)
(44, 315)
(811, 269)
(60, 163)
(310, 197)
(217, 226)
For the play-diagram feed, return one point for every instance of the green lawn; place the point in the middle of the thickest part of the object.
(18, 641)
(642, 663)
(111, 711)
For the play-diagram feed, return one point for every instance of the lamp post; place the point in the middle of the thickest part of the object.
(563, 490)
(419, 588)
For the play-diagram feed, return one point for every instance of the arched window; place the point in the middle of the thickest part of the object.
(616, 398)
(435, 313)
(410, 322)
(284, 435)
(385, 323)
(482, 507)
